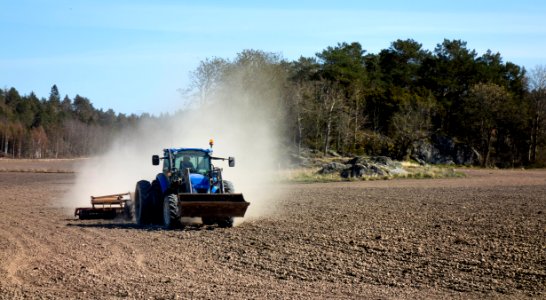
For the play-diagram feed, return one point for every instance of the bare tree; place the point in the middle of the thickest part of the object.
(537, 87)
(19, 134)
(38, 141)
(207, 77)
(300, 95)
(331, 96)
(4, 136)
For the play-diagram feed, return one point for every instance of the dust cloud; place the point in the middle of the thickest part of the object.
(244, 123)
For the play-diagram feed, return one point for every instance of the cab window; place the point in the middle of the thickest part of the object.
(196, 161)
(166, 164)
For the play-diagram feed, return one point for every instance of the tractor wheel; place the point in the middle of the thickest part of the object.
(208, 220)
(227, 222)
(143, 203)
(157, 202)
(228, 187)
(171, 212)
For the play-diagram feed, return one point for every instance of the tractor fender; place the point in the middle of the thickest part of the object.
(163, 182)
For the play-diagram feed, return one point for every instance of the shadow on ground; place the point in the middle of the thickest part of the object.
(124, 225)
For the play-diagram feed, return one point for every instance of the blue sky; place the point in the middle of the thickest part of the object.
(133, 56)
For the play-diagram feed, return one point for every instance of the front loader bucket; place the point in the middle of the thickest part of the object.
(213, 205)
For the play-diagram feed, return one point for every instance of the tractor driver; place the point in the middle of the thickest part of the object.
(186, 163)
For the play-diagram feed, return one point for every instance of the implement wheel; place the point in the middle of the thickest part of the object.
(128, 210)
(171, 212)
(143, 203)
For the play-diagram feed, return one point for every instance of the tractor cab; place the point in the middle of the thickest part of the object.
(191, 170)
(197, 160)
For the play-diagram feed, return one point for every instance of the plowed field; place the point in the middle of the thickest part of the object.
(479, 236)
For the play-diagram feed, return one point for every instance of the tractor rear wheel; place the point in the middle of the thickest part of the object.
(143, 202)
(171, 212)
(157, 202)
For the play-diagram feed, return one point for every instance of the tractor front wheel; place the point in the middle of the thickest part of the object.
(208, 220)
(228, 221)
(228, 187)
(171, 212)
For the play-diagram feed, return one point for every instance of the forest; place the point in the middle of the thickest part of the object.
(448, 105)
(32, 127)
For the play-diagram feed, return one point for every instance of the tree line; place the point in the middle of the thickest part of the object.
(32, 127)
(345, 100)
(398, 101)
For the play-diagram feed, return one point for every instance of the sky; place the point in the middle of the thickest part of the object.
(135, 56)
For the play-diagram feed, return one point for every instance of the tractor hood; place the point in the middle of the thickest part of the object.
(199, 183)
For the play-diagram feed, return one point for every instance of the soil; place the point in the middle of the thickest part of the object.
(482, 236)
(41, 165)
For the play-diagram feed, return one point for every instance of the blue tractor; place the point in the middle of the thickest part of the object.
(189, 186)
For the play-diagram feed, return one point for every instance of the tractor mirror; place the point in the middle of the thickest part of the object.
(231, 161)
(155, 160)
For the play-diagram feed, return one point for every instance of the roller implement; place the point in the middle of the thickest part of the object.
(189, 186)
(107, 207)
